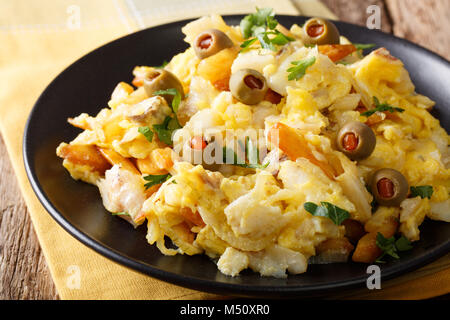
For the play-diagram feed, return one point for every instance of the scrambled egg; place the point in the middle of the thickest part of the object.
(256, 218)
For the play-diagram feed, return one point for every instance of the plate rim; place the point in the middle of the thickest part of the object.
(193, 282)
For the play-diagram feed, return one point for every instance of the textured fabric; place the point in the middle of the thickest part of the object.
(39, 39)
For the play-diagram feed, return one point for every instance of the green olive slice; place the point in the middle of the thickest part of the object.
(389, 187)
(248, 86)
(320, 31)
(356, 140)
(161, 79)
(210, 42)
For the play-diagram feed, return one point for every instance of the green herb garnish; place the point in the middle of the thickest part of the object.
(120, 214)
(259, 26)
(422, 191)
(299, 69)
(247, 43)
(381, 107)
(391, 247)
(326, 209)
(156, 179)
(361, 46)
(252, 23)
(173, 92)
(146, 132)
(166, 129)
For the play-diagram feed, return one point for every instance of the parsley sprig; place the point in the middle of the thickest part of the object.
(169, 125)
(166, 129)
(391, 246)
(381, 107)
(299, 69)
(362, 46)
(146, 132)
(422, 191)
(154, 179)
(251, 152)
(260, 26)
(173, 92)
(328, 210)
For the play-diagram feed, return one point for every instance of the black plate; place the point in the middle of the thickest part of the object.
(86, 86)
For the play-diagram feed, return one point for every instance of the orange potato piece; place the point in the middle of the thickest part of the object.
(218, 67)
(84, 155)
(159, 162)
(388, 229)
(152, 190)
(295, 146)
(367, 250)
(163, 158)
(138, 82)
(114, 158)
(337, 52)
(148, 166)
(193, 217)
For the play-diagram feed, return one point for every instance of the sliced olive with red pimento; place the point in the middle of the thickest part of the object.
(356, 140)
(320, 31)
(248, 86)
(198, 143)
(161, 79)
(210, 42)
(389, 187)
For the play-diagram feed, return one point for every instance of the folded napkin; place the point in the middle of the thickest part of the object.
(39, 39)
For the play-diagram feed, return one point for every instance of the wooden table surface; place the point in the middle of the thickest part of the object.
(23, 270)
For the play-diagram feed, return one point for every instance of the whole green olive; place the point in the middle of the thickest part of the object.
(389, 187)
(248, 86)
(161, 79)
(210, 42)
(320, 31)
(356, 140)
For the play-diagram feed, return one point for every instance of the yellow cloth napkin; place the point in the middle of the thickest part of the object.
(39, 38)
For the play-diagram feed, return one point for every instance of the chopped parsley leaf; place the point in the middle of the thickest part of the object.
(156, 179)
(299, 69)
(329, 210)
(422, 191)
(146, 132)
(391, 247)
(166, 129)
(381, 107)
(176, 99)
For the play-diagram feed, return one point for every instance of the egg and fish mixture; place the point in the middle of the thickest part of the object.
(354, 161)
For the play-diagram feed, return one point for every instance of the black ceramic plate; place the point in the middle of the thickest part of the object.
(86, 86)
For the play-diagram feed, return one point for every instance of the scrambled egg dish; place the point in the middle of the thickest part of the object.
(336, 158)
